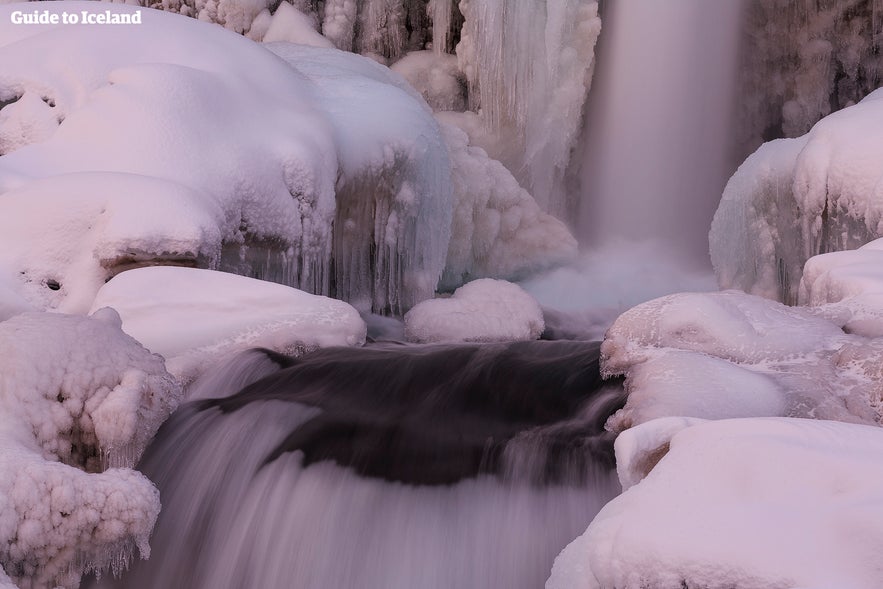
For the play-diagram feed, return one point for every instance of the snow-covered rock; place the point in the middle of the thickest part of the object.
(484, 310)
(77, 396)
(194, 317)
(847, 288)
(263, 156)
(795, 198)
(437, 78)
(728, 354)
(738, 503)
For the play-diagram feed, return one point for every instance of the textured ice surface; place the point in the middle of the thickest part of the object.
(194, 317)
(484, 310)
(77, 396)
(795, 198)
(773, 503)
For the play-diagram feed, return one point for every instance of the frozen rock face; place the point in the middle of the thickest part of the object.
(194, 318)
(484, 310)
(738, 503)
(724, 355)
(831, 51)
(296, 157)
(795, 198)
(78, 396)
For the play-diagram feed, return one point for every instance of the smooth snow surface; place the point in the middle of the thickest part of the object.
(298, 152)
(728, 354)
(194, 317)
(795, 198)
(484, 310)
(742, 503)
(77, 396)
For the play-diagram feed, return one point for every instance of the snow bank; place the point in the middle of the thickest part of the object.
(270, 182)
(192, 317)
(484, 310)
(728, 354)
(795, 198)
(739, 503)
(77, 396)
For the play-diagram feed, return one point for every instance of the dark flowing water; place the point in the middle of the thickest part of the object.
(389, 466)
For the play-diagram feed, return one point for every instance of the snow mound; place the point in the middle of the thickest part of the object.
(847, 288)
(498, 230)
(795, 198)
(192, 317)
(741, 503)
(484, 310)
(77, 396)
(728, 354)
(269, 184)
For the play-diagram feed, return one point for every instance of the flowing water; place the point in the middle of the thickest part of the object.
(389, 466)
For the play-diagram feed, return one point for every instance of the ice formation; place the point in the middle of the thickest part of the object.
(195, 317)
(739, 503)
(484, 310)
(795, 198)
(529, 66)
(295, 141)
(728, 354)
(78, 396)
(497, 230)
(437, 78)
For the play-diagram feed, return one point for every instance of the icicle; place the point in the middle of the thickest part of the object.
(529, 65)
(441, 12)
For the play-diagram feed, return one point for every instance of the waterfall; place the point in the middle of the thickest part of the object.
(659, 120)
(384, 467)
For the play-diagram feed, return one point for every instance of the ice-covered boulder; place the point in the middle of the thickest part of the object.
(260, 154)
(729, 354)
(847, 288)
(795, 198)
(195, 317)
(79, 401)
(738, 503)
(436, 76)
(484, 310)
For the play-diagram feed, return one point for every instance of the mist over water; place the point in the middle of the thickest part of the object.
(660, 122)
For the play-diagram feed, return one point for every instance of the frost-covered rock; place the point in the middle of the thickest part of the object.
(739, 503)
(498, 230)
(484, 310)
(795, 198)
(77, 396)
(300, 151)
(728, 354)
(194, 317)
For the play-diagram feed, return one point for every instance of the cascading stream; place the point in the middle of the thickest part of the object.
(390, 466)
